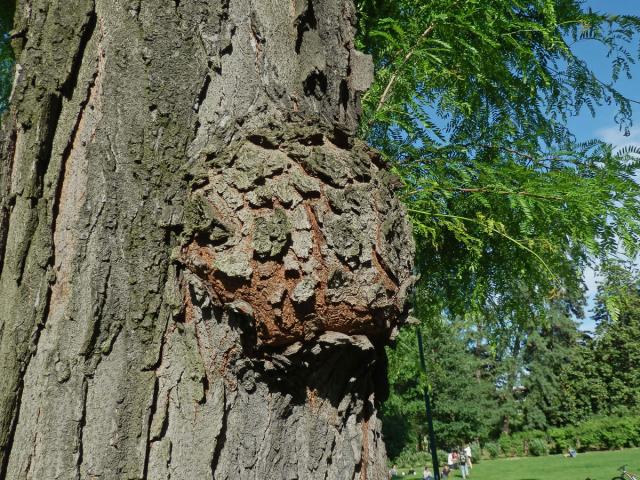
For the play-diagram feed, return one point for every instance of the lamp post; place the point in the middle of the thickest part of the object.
(427, 406)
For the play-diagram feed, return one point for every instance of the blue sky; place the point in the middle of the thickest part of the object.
(603, 126)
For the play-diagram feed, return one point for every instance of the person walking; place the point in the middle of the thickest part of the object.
(462, 462)
(467, 451)
(450, 459)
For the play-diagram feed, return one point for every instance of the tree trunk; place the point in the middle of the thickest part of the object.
(199, 262)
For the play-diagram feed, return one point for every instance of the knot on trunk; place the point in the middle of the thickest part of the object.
(303, 228)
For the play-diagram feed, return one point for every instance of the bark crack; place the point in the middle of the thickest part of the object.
(152, 412)
(204, 90)
(33, 450)
(81, 425)
(222, 435)
(76, 127)
(305, 22)
(35, 337)
(86, 33)
(98, 308)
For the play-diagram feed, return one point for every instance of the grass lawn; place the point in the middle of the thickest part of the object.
(592, 465)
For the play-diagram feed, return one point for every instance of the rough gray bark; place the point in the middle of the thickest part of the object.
(199, 264)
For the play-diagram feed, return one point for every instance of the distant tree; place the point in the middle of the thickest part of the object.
(617, 313)
(549, 350)
(461, 389)
(584, 391)
(600, 376)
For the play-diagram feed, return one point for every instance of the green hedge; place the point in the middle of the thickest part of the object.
(600, 433)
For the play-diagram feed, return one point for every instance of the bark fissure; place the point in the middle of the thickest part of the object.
(24, 365)
(69, 148)
(69, 86)
(31, 226)
(89, 345)
(152, 412)
(33, 450)
(8, 448)
(220, 439)
(81, 424)
(306, 21)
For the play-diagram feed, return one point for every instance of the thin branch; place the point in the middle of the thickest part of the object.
(607, 86)
(394, 76)
(531, 158)
(490, 190)
(508, 192)
(508, 237)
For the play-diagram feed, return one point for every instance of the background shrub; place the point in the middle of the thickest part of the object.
(476, 452)
(538, 447)
(492, 449)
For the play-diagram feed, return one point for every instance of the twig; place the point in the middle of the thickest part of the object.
(490, 190)
(394, 76)
(508, 192)
(508, 237)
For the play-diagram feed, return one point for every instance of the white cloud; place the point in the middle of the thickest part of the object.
(614, 136)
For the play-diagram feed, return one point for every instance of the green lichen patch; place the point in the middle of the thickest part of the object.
(200, 220)
(271, 234)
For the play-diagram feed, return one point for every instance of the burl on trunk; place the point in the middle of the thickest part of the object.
(200, 264)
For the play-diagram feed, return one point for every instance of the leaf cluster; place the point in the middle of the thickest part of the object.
(470, 104)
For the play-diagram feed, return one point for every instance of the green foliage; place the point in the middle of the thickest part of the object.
(511, 446)
(412, 458)
(551, 375)
(442, 457)
(476, 452)
(538, 447)
(546, 353)
(6, 54)
(618, 333)
(602, 375)
(470, 104)
(599, 433)
(492, 449)
(462, 398)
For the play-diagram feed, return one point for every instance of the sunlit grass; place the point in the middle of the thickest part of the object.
(592, 465)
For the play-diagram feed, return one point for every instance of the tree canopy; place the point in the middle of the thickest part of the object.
(470, 103)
